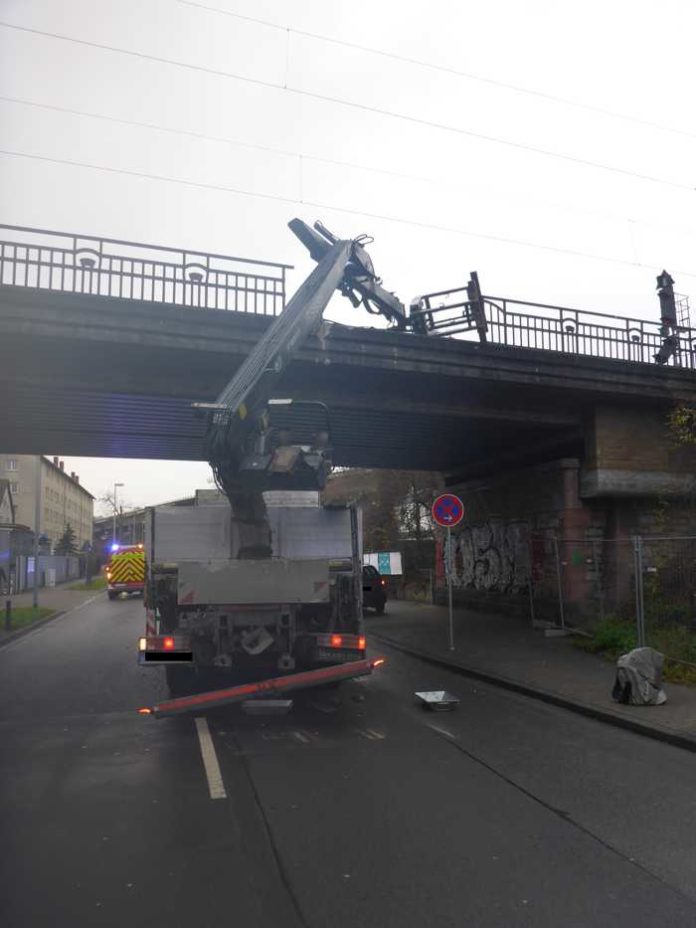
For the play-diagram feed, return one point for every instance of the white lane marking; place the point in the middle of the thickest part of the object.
(210, 761)
(371, 734)
(301, 736)
(442, 731)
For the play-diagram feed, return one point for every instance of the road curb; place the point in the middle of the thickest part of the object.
(21, 632)
(554, 699)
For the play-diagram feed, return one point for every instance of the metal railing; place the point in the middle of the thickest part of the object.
(86, 264)
(540, 326)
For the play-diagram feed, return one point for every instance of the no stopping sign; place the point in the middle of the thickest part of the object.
(447, 510)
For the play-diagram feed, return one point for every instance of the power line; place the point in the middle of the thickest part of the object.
(302, 156)
(238, 191)
(443, 69)
(363, 107)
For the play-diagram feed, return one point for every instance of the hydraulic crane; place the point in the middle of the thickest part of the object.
(247, 451)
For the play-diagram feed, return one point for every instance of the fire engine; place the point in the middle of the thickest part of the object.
(125, 572)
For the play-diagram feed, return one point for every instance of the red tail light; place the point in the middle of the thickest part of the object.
(168, 644)
(383, 582)
(336, 641)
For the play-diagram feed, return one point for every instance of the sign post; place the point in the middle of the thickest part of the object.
(448, 510)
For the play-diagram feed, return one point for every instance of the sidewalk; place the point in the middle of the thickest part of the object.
(508, 652)
(58, 598)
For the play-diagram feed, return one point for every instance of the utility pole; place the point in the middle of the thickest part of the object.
(113, 536)
(37, 528)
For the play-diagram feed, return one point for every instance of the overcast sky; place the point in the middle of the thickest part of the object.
(553, 148)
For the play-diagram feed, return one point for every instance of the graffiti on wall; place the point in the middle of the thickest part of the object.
(492, 556)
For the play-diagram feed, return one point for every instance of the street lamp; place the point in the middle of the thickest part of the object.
(116, 486)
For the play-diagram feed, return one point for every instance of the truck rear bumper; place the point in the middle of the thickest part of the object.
(265, 688)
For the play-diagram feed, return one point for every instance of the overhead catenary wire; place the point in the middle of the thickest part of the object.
(431, 226)
(443, 69)
(363, 107)
(303, 156)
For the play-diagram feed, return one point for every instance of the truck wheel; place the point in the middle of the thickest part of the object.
(380, 609)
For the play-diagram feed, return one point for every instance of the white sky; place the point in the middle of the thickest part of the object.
(631, 59)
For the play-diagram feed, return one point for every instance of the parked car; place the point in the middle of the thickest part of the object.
(374, 590)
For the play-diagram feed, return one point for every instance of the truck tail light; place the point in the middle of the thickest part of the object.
(335, 642)
(155, 649)
(383, 582)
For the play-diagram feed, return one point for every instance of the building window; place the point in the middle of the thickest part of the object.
(11, 464)
(14, 488)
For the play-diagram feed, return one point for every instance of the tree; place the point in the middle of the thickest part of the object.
(396, 504)
(67, 543)
(109, 504)
(682, 425)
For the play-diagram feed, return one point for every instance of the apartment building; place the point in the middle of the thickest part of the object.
(63, 499)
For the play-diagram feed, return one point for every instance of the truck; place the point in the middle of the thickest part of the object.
(125, 570)
(258, 587)
(223, 620)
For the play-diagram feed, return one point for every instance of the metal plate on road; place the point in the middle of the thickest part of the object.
(448, 510)
(437, 700)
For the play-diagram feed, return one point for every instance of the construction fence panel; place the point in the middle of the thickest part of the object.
(668, 600)
(593, 579)
(645, 586)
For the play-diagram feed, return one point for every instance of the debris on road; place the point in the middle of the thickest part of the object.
(437, 700)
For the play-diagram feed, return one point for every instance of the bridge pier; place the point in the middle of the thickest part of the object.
(576, 515)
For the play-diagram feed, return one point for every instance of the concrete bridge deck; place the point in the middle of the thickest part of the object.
(93, 375)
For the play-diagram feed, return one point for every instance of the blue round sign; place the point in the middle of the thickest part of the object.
(448, 510)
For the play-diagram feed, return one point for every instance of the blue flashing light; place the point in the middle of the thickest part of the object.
(115, 547)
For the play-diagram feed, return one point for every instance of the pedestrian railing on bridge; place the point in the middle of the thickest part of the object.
(540, 326)
(129, 270)
(85, 264)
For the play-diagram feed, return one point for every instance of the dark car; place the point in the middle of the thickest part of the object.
(374, 590)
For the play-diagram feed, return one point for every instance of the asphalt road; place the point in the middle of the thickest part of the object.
(506, 812)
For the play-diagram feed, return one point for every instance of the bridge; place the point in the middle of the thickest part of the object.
(105, 345)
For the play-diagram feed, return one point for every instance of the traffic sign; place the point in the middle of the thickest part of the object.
(448, 510)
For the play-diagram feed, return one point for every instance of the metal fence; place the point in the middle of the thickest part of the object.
(85, 264)
(53, 569)
(540, 326)
(641, 591)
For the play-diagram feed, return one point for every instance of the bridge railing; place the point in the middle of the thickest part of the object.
(575, 331)
(134, 271)
(520, 324)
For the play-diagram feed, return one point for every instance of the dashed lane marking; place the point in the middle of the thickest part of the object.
(210, 761)
(442, 731)
(371, 734)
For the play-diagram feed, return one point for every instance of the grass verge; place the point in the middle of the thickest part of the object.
(612, 637)
(25, 615)
(96, 583)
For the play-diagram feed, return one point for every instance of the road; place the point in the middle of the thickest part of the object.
(506, 812)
